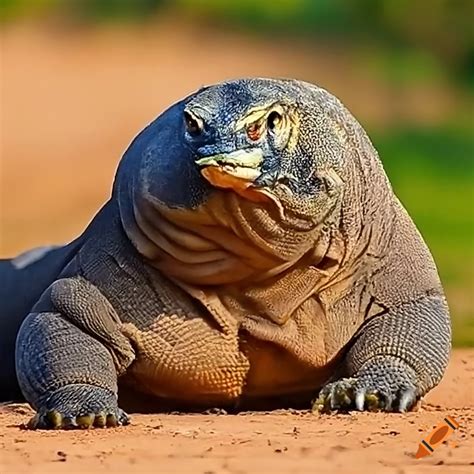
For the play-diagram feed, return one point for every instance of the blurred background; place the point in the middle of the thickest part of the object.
(79, 78)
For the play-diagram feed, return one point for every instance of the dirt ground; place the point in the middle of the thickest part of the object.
(281, 441)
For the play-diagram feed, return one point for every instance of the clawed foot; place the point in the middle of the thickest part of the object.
(79, 407)
(53, 419)
(357, 393)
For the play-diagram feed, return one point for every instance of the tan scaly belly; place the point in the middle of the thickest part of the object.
(196, 364)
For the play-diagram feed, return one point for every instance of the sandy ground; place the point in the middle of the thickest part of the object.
(280, 441)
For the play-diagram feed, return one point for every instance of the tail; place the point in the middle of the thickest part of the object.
(23, 280)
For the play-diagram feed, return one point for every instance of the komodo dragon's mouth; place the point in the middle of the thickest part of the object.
(237, 170)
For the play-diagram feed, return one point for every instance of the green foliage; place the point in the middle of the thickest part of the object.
(441, 29)
(11, 9)
(438, 31)
(115, 9)
(432, 172)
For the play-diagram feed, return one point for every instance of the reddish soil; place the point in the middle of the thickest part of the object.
(284, 441)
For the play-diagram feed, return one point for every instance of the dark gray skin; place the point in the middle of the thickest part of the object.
(24, 279)
(362, 320)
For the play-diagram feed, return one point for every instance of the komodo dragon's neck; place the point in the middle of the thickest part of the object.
(233, 251)
(226, 241)
(242, 255)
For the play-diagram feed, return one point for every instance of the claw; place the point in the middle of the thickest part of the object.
(69, 423)
(124, 419)
(407, 400)
(111, 421)
(85, 421)
(100, 420)
(360, 400)
(33, 422)
(54, 419)
(373, 401)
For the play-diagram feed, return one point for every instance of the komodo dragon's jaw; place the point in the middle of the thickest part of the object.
(237, 171)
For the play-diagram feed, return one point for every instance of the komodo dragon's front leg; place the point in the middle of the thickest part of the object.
(396, 358)
(69, 357)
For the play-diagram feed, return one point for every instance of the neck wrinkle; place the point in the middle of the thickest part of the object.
(365, 221)
(258, 288)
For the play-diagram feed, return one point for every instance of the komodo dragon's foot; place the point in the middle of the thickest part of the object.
(79, 407)
(386, 384)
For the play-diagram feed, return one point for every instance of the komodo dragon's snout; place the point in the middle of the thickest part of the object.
(252, 249)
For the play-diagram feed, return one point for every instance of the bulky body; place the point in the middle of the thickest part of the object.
(252, 250)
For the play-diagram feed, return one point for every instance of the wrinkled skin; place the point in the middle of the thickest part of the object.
(252, 249)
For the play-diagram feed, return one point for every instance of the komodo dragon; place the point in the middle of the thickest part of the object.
(252, 249)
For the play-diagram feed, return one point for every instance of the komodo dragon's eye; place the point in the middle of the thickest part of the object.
(273, 120)
(194, 125)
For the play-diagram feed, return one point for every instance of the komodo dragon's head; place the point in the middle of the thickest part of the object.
(241, 180)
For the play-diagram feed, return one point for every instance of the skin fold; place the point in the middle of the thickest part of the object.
(252, 253)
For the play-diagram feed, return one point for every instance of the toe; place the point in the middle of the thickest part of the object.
(360, 400)
(341, 394)
(374, 401)
(407, 400)
(54, 419)
(85, 422)
(100, 420)
(338, 395)
(111, 421)
(124, 419)
(69, 423)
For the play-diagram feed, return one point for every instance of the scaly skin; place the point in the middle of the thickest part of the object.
(23, 280)
(252, 249)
